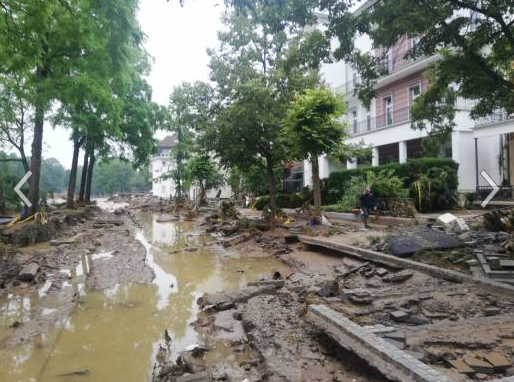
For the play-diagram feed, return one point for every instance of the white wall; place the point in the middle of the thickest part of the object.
(162, 188)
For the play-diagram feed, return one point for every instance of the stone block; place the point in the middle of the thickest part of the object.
(499, 362)
(461, 367)
(480, 366)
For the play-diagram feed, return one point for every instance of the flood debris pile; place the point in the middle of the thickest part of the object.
(262, 329)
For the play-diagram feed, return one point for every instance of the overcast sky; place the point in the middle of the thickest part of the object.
(177, 39)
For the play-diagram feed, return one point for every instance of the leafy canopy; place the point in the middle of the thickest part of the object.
(312, 127)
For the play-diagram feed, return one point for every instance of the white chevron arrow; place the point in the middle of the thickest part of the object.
(495, 187)
(18, 186)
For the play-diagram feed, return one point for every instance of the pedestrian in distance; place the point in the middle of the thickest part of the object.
(367, 202)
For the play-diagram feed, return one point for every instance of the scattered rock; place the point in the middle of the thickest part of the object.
(28, 272)
(398, 276)
(499, 362)
(399, 315)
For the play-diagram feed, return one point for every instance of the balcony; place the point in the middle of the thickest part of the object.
(497, 117)
(395, 117)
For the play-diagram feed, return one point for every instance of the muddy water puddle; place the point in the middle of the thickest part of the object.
(114, 333)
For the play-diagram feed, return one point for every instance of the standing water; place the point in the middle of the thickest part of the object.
(114, 333)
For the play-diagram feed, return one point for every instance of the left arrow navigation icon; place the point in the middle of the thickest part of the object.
(18, 186)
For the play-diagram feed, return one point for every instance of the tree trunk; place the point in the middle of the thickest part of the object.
(35, 163)
(25, 162)
(89, 179)
(70, 203)
(316, 187)
(272, 189)
(203, 198)
(3, 210)
(83, 177)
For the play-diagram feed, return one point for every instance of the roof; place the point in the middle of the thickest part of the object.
(168, 142)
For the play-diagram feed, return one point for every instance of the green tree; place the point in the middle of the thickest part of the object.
(53, 176)
(257, 71)
(203, 172)
(312, 130)
(475, 41)
(53, 46)
(190, 108)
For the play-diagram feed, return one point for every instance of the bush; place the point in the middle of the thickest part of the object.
(283, 201)
(384, 184)
(435, 190)
(333, 187)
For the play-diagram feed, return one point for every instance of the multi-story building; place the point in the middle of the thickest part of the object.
(386, 124)
(161, 163)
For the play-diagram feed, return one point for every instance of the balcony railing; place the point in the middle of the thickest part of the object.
(391, 118)
(497, 117)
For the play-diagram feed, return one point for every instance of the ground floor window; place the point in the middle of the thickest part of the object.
(388, 154)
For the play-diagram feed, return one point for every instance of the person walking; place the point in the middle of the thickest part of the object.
(367, 203)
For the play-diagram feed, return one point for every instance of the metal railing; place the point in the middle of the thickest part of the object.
(380, 121)
(504, 192)
(497, 117)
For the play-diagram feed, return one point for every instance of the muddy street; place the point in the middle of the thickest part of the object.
(134, 289)
(102, 311)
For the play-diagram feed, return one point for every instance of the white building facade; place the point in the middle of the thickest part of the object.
(476, 145)
(162, 163)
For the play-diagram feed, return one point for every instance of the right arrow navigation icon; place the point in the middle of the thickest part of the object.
(495, 187)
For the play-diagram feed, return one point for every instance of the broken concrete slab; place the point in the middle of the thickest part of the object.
(499, 362)
(406, 243)
(28, 272)
(479, 365)
(461, 367)
(238, 239)
(400, 315)
(199, 377)
(226, 300)
(393, 363)
(453, 223)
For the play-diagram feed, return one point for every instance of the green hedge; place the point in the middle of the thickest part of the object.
(332, 188)
(283, 201)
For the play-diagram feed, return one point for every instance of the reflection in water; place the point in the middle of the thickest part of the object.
(115, 333)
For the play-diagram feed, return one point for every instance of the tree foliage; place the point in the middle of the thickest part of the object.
(201, 171)
(312, 129)
(258, 69)
(474, 41)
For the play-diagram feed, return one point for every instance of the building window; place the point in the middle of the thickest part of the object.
(414, 92)
(388, 107)
(354, 121)
(368, 120)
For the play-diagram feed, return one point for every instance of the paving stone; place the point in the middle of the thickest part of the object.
(479, 365)
(28, 272)
(499, 362)
(198, 377)
(461, 367)
(399, 315)
(507, 264)
(416, 354)
(492, 311)
(397, 336)
(398, 344)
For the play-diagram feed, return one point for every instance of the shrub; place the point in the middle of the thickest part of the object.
(435, 190)
(283, 201)
(384, 184)
(333, 188)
